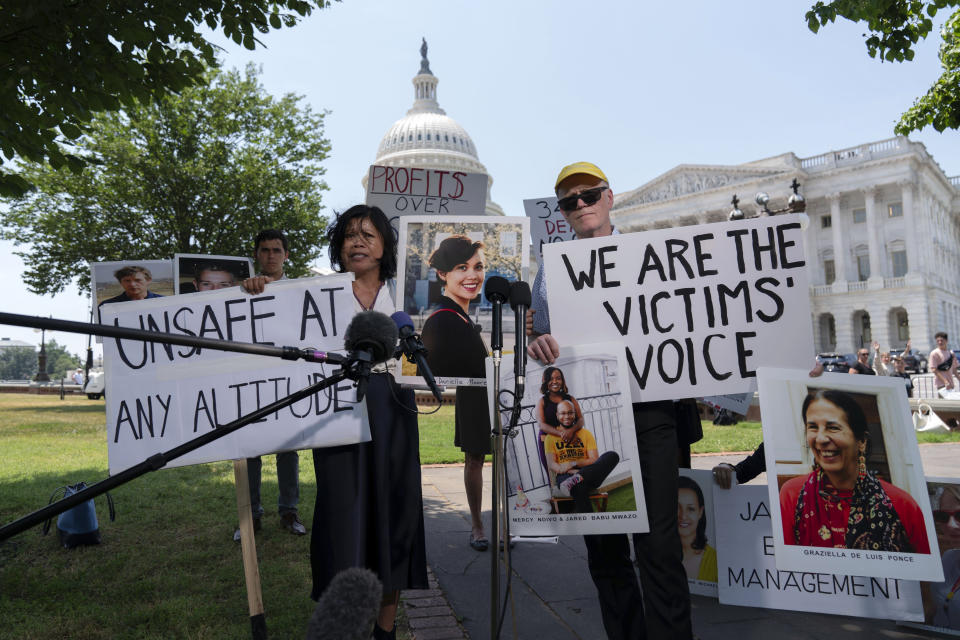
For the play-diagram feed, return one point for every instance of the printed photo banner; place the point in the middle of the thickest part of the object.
(547, 224)
(698, 308)
(573, 466)
(160, 396)
(829, 515)
(696, 516)
(941, 600)
(193, 272)
(126, 280)
(413, 191)
(444, 263)
(749, 576)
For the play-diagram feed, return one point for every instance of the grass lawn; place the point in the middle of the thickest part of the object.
(167, 568)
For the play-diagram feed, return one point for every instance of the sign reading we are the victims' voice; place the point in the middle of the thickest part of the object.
(160, 396)
(404, 191)
(698, 308)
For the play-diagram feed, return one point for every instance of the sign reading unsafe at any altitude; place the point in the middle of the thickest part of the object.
(697, 308)
(160, 396)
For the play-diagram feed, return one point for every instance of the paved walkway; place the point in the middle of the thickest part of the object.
(554, 599)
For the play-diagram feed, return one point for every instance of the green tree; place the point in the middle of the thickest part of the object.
(895, 27)
(62, 61)
(18, 363)
(198, 172)
(60, 362)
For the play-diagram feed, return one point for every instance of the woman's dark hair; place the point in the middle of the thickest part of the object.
(683, 482)
(337, 233)
(453, 251)
(547, 374)
(850, 407)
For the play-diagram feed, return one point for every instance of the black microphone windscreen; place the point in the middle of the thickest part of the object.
(497, 289)
(402, 320)
(519, 295)
(348, 608)
(372, 331)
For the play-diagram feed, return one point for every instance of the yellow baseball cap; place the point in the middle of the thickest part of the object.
(580, 167)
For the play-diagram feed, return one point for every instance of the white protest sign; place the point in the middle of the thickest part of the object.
(404, 191)
(828, 513)
(697, 308)
(738, 403)
(591, 482)
(748, 576)
(547, 223)
(160, 396)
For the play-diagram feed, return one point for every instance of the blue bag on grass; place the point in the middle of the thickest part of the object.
(78, 526)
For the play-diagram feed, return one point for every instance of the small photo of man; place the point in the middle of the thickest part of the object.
(128, 280)
(196, 273)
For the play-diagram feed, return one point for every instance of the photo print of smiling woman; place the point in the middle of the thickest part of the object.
(444, 264)
(846, 483)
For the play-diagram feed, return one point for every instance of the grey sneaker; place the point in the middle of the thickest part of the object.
(291, 522)
(570, 483)
(257, 525)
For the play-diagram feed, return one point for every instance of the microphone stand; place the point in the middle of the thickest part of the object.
(497, 476)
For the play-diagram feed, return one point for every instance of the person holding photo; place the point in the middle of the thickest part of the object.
(699, 558)
(455, 349)
(841, 504)
(579, 468)
(942, 608)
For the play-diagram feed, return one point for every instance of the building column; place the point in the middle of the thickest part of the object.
(910, 221)
(843, 323)
(839, 250)
(879, 328)
(877, 251)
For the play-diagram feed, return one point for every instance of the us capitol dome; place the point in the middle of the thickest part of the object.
(428, 138)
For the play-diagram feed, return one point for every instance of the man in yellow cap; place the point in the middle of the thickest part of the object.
(663, 610)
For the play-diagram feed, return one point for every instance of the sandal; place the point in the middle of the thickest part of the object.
(479, 544)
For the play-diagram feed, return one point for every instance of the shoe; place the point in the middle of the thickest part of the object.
(479, 544)
(570, 483)
(291, 522)
(257, 525)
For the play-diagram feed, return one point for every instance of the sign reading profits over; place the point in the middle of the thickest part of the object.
(748, 575)
(697, 308)
(547, 223)
(160, 396)
(404, 191)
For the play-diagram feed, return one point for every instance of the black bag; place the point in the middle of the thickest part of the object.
(78, 525)
(946, 364)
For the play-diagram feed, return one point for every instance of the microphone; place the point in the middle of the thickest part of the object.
(348, 608)
(373, 332)
(370, 338)
(520, 302)
(412, 347)
(497, 291)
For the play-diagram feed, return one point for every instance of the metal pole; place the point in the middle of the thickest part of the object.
(495, 502)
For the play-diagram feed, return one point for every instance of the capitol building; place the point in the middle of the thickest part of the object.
(428, 138)
(882, 243)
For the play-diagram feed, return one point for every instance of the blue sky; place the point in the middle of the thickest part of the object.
(637, 88)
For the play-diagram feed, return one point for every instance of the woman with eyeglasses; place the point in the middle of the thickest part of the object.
(942, 600)
(840, 503)
(455, 349)
(369, 509)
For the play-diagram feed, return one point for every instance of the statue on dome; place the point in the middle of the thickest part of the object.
(424, 63)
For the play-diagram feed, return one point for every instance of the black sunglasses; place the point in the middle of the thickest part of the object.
(589, 196)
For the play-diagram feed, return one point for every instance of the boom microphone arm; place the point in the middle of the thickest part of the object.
(126, 333)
